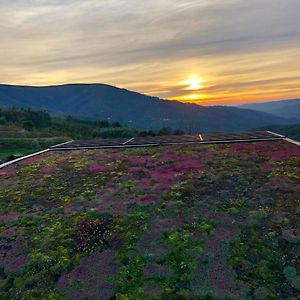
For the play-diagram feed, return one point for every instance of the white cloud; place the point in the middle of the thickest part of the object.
(41, 38)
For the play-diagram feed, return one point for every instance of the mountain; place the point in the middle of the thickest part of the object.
(100, 101)
(283, 108)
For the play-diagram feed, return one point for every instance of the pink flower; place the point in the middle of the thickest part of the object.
(94, 273)
(162, 175)
(186, 166)
(145, 181)
(48, 170)
(17, 264)
(9, 217)
(148, 199)
(136, 169)
(162, 186)
(7, 172)
(99, 169)
(170, 156)
(283, 154)
(30, 160)
(8, 232)
(138, 160)
(71, 208)
(115, 155)
(265, 167)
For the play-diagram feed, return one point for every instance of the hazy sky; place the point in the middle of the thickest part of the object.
(206, 51)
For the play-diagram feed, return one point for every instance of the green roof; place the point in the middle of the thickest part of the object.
(170, 222)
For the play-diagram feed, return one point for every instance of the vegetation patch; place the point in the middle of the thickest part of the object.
(187, 222)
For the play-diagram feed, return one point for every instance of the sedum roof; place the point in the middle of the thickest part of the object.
(170, 222)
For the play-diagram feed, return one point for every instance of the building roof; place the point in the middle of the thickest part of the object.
(170, 222)
(212, 138)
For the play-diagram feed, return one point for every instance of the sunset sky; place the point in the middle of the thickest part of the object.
(204, 51)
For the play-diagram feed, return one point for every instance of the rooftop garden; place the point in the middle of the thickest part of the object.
(180, 222)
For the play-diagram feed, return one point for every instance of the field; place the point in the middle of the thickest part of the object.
(16, 141)
(25, 145)
(181, 222)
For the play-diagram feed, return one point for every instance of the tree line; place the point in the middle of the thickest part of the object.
(43, 122)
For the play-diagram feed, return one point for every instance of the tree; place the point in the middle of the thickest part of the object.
(116, 125)
(2, 121)
(28, 125)
(165, 131)
(178, 132)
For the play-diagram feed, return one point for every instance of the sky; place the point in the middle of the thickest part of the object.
(208, 52)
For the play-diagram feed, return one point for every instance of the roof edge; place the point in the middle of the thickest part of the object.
(292, 141)
(30, 155)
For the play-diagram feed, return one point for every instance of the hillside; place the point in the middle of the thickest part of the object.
(23, 131)
(283, 109)
(40, 123)
(99, 101)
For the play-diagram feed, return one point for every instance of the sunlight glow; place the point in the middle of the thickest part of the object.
(193, 97)
(193, 83)
(196, 98)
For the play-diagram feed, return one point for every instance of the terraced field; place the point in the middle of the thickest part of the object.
(169, 222)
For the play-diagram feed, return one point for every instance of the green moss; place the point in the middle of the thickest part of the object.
(130, 279)
(202, 226)
(50, 244)
(257, 216)
(256, 261)
(290, 274)
(128, 185)
(264, 293)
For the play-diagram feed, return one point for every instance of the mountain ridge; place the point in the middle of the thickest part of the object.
(289, 108)
(103, 101)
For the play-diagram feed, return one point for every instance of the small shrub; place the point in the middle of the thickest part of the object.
(92, 234)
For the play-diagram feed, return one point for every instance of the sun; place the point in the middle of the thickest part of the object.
(190, 90)
(193, 83)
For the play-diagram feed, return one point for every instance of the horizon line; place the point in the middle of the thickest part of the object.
(144, 94)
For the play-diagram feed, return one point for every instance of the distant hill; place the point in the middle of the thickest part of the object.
(100, 101)
(284, 108)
